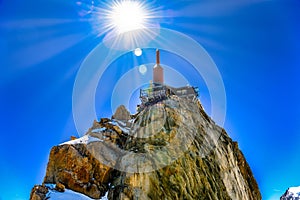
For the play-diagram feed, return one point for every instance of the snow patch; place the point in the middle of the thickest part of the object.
(295, 190)
(131, 120)
(86, 139)
(67, 195)
(292, 193)
(113, 123)
(105, 196)
(121, 123)
(98, 130)
(125, 129)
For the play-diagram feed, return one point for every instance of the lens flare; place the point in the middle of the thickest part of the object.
(143, 69)
(138, 52)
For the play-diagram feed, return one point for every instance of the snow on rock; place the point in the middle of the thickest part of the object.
(121, 123)
(293, 193)
(295, 190)
(70, 195)
(98, 130)
(131, 120)
(125, 130)
(113, 123)
(105, 196)
(123, 126)
(67, 195)
(86, 139)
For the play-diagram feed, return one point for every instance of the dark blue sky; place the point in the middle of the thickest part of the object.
(255, 45)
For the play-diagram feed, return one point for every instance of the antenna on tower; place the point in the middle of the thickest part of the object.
(157, 57)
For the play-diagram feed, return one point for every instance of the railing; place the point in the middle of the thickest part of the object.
(158, 92)
(153, 93)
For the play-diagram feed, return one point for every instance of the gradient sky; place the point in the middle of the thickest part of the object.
(255, 45)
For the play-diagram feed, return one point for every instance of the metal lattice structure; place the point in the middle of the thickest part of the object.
(157, 92)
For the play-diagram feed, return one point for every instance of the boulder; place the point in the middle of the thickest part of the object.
(38, 192)
(60, 187)
(74, 167)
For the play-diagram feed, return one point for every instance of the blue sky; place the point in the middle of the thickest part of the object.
(255, 45)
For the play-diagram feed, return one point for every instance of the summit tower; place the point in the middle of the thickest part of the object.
(158, 71)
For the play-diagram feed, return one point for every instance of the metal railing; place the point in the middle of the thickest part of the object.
(157, 92)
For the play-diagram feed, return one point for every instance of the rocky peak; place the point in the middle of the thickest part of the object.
(169, 150)
(122, 114)
(293, 193)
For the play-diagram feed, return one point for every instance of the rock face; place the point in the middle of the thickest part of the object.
(169, 150)
(74, 167)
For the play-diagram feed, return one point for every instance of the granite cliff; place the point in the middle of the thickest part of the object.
(170, 150)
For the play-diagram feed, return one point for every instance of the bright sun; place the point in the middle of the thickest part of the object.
(127, 15)
(131, 23)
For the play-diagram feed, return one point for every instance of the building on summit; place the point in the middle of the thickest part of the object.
(158, 91)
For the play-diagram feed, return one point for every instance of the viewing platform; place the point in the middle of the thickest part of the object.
(158, 91)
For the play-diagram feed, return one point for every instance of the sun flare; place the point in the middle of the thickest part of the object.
(127, 16)
(131, 23)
